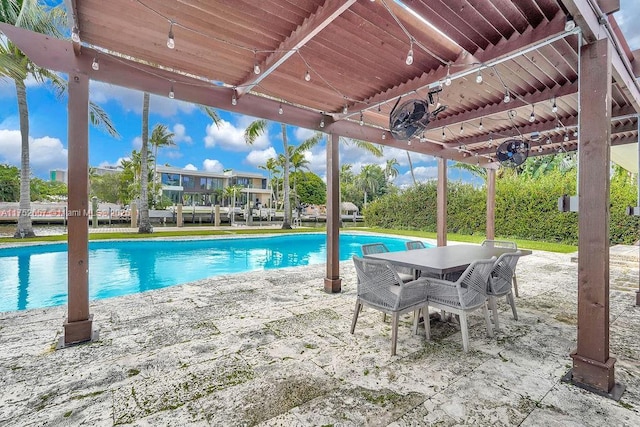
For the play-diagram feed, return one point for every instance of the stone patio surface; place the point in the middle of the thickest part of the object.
(272, 348)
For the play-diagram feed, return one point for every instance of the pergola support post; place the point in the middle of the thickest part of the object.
(491, 204)
(333, 282)
(593, 368)
(79, 325)
(441, 219)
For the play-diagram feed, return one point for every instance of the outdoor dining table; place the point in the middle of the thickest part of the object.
(442, 260)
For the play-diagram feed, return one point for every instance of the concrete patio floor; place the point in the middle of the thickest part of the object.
(272, 349)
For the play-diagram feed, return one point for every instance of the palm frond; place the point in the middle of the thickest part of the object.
(254, 130)
(213, 114)
(100, 119)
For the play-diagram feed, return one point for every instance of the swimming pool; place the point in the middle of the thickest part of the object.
(36, 276)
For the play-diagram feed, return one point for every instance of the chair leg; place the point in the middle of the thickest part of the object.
(384, 317)
(416, 319)
(486, 316)
(394, 332)
(512, 301)
(355, 315)
(493, 303)
(515, 284)
(427, 324)
(464, 328)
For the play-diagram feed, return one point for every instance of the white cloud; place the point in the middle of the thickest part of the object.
(116, 163)
(212, 165)
(301, 133)
(173, 154)
(45, 153)
(259, 157)
(422, 174)
(137, 143)
(131, 100)
(231, 138)
(190, 167)
(628, 18)
(180, 134)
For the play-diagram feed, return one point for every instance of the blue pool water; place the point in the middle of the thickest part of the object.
(36, 276)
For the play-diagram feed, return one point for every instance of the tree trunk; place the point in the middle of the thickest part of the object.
(286, 223)
(145, 224)
(24, 228)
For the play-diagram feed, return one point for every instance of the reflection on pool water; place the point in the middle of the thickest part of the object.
(36, 276)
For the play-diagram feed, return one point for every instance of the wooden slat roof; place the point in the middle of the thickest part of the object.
(354, 52)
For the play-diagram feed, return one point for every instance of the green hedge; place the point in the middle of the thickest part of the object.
(525, 209)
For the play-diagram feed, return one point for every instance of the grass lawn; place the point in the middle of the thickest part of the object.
(525, 244)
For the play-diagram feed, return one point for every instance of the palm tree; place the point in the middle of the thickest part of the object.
(145, 223)
(230, 192)
(413, 177)
(251, 133)
(272, 169)
(391, 170)
(160, 137)
(16, 66)
(475, 170)
(367, 181)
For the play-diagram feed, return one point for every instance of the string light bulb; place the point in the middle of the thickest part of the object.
(95, 65)
(384, 135)
(307, 76)
(566, 137)
(461, 128)
(507, 97)
(256, 66)
(480, 126)
(75, 35)
(234, 98)
(409, 59)
(479, 77)
(361, 119)
(447, 79)
(171, 43)
(532, 117)
(554, 107)
(345, 110)
(443, 134)
(322, 122)
(171, 93)
(280, 110)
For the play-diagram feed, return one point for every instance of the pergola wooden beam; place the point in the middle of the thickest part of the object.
(326, 14)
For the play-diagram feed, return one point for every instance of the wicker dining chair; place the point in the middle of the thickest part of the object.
(405, 273)
(509, 245)
(381, 288)
(500, 282)
(466, 294)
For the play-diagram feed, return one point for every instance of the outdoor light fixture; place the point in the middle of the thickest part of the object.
(566, 137)
(554, 107)
(548, 140)
(409, 59)
(570, 24)
(539, 149)
(256, 68)
(479, 77)
(171, 93)
(280, 110)
(361, 119)
(75, 35)
(171, 43)
(345, 110)
(447, 79)
(322, 122)
(532, 117)
(384, 135)
(480, 126)
(307, 76)
(234, 99)
(461, 128)
(443, 135)
(95, 65)
(507, 97)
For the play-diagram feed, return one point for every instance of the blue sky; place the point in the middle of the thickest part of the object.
(199, 144)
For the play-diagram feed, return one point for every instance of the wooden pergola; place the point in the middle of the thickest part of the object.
(556, 73)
